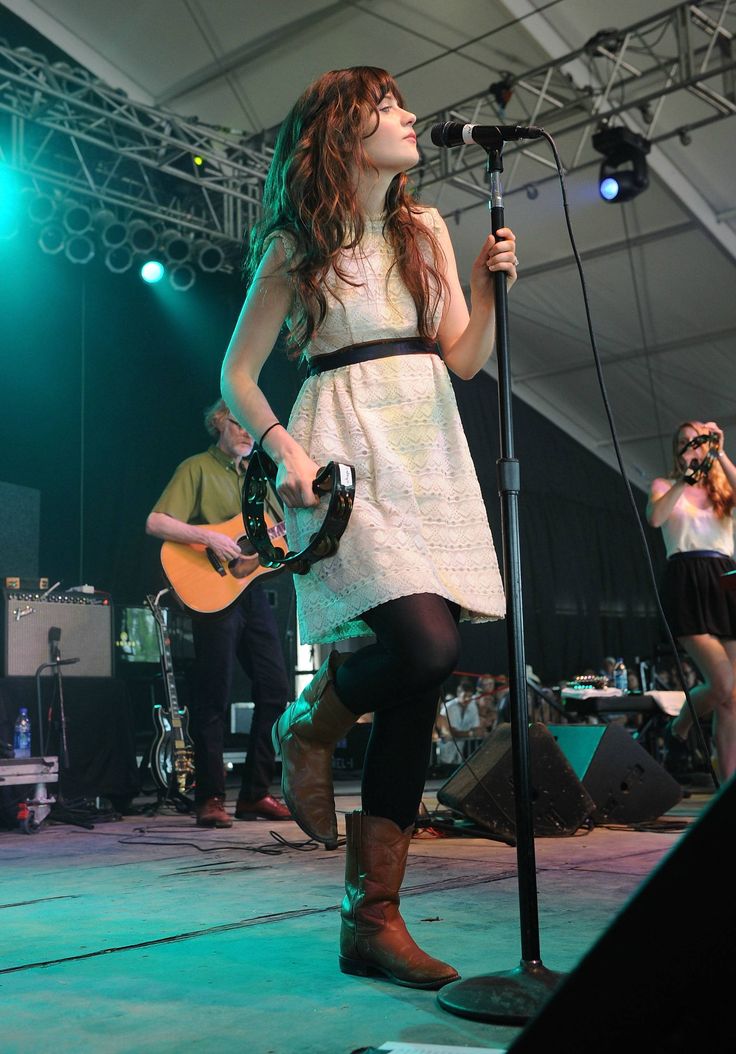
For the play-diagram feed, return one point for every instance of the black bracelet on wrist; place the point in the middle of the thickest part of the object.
(274, 425)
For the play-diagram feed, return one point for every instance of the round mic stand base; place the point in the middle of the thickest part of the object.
(510, 997)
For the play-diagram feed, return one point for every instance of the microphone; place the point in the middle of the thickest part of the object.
(452, 133)
(65, 662)
(54, 638)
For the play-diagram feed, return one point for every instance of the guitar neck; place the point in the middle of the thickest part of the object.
(167, 670)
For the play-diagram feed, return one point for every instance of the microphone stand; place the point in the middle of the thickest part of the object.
(60, 813)
(510, 996)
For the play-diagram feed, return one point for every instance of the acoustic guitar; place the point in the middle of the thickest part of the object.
(206, 584)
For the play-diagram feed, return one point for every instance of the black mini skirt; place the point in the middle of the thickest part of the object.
(694, 598)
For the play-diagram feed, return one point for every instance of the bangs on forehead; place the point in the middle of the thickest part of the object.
(380, 84)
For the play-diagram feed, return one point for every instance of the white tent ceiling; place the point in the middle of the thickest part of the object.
(661, 269)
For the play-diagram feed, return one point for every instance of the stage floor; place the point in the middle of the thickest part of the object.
(152, 935)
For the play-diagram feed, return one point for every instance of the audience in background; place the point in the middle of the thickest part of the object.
(485, 699)
(457, 719)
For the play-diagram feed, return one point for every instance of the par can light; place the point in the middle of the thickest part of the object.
(152, 271)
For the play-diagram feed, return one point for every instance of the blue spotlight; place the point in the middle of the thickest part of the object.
(623, 172)
(609, 188)
(152, 271)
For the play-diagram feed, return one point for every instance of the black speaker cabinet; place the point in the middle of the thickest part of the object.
(84, 633)
(625, 782)
(660, 978)
(482, 789)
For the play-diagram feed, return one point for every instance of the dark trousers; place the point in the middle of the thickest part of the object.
(246, 632)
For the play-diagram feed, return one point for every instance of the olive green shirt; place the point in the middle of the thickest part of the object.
(207, 488)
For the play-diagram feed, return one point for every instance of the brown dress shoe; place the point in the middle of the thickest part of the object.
(211, 813)
(266, 808)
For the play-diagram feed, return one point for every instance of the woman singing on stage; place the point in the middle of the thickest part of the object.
(365, 279)
(695, 508)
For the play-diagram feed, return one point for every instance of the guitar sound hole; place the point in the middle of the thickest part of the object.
(245, 547)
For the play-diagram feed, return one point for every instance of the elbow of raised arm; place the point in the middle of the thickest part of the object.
(155, 524)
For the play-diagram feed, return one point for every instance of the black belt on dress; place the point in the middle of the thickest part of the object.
(692, 553)
(369, 350)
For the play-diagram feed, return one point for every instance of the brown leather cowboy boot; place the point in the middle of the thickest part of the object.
(305, 736)
(374, 938)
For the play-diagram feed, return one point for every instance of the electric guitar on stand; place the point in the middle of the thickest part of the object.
(171, 757)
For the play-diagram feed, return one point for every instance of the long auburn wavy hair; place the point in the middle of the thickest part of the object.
(310, 193)
(718, 488)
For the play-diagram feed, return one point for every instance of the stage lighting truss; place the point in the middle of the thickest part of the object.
(79, 231)
(686, 52)
(623, 172)
(70, 131)
(72, 134)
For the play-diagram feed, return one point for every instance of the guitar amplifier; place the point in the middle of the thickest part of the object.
(81, 626)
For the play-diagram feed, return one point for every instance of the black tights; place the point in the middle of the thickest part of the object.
(398, 679)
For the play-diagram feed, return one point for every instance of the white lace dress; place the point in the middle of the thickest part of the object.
(418, 524)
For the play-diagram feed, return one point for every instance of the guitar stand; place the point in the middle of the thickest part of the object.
(178, 802)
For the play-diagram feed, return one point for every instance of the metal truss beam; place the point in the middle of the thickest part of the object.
(621, 76)
(65, 128)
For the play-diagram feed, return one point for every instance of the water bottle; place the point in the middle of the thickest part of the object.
(22, 735)
(620, 676)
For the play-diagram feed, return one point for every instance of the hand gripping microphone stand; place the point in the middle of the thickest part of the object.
(510, 996)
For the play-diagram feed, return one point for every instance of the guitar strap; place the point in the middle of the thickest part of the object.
(335, 479)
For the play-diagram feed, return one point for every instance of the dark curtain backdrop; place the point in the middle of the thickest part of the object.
(585, 582)
(105, 380)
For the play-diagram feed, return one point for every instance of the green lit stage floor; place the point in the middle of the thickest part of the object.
(148, 934)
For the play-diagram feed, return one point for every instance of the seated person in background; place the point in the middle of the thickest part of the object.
(457, 719)
(609, 665)
(632, 681)
(692, 677)
(663, 680)
(485, 699)
(502, 698)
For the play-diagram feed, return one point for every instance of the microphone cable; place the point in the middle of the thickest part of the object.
(619, 458)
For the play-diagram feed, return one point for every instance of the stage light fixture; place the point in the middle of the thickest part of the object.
(623, 172)
(152, 271)
(119, 260)
(141, 236)
(209, 257)
(182, 277)
(177, 248)
(51, 239)
(77, 218)
(9, 204)
(9, 225)
(114, 234)
(79, 249)
(41, 208)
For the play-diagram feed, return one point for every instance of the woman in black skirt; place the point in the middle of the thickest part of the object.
(695, 510)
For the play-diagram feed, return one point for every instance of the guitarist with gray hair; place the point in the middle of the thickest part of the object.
(198, 517)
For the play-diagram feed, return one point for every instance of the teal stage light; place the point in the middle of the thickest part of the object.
(152, 271)
(9, 204)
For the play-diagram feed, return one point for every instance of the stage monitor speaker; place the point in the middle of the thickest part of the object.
(84, 633)
(482, 789)
(659, 978)
(625, 782)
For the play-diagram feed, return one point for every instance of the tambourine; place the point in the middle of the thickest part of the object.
(335, 479)
(699, 469)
